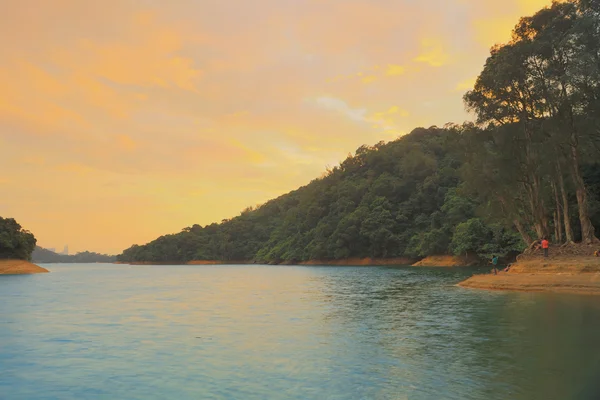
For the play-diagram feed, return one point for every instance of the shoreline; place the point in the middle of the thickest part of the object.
(430, 261)
(578, 275)
(20, 267)
(358, 262)
(350, 262)
(448, 261)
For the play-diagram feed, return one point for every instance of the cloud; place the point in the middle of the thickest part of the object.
(386, 120)
(331, 103)
(432, 53)
(394, 70)
(126, 143)
(399, 111)
(494, 21)
(369, 79)
(527, 7)
(465, 85)
(151, 56)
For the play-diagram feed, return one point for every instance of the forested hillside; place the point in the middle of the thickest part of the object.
(527, 169)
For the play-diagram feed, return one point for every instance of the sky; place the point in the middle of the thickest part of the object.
(123, 120)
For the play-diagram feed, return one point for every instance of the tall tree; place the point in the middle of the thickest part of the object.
(541, 81)
(15, 242)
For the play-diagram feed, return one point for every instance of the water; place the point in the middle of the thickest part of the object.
(260, 332)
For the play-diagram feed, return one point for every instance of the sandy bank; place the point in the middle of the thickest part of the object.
(568, 275)
(19, 267)
(446, 261)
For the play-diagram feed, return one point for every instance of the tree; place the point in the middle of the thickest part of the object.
(541, 89)
(15, 242)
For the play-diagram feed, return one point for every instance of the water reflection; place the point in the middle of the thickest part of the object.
(438, 339)
(258, 332)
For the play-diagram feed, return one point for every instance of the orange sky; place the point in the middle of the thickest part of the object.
(122, 120)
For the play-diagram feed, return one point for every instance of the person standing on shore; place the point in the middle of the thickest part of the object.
(495, 263)
(545, 245)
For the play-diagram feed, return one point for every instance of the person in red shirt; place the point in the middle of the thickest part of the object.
(545, 245)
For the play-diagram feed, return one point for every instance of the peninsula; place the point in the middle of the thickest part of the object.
(20, 267)
(16, 246)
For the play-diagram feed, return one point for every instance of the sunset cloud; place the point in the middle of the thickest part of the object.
(331, 103)
(466, 85)
(393, 70)
(432, 53)
(126, 143)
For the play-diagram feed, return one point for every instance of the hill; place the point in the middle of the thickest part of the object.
(526, 170)
(44, 256)
(400, 199)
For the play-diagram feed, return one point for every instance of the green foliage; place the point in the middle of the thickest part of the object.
(15, 242)
(474, 237)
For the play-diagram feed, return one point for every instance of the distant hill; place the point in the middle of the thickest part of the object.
(41, 255)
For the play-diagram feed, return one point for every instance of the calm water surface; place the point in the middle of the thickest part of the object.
(259, 332)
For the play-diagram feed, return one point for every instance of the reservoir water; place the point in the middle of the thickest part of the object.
(266, 332)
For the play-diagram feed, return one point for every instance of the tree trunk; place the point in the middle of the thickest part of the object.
(565, 207)
(587, 229)
(537, 226)
(558, 227)
(539, 209)
(557, 237)
(524, 234)
(538, 212)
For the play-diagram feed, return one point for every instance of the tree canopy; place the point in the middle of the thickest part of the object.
(15, 242)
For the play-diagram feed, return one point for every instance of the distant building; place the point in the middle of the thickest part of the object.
(65, 252)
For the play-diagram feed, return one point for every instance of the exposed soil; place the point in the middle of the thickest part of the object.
(535, 252)
(19, 267)
(564, 271)
(447, 261)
